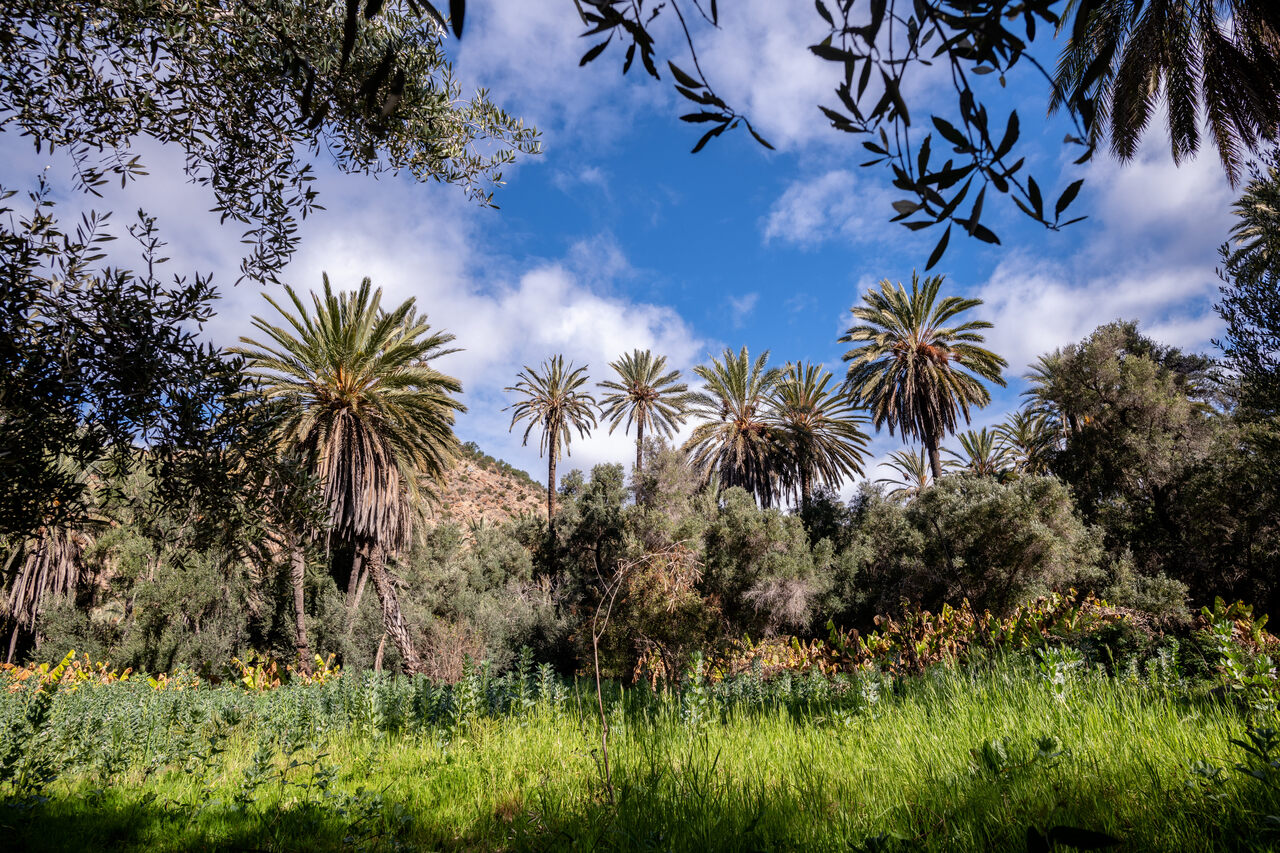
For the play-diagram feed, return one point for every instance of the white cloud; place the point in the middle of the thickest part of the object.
(1181, 214)
(1150, 256)
(588, 176)
(830, 206)
(526, 54)
(507, 312)
(1037, 307)
(759, 62)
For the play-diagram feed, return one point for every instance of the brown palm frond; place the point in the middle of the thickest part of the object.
(42, 568)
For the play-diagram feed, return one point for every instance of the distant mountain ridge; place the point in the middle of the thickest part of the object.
(481, 488)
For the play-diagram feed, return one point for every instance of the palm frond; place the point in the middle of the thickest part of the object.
(552, 400)
(820, 429)
(362, 405)
(916, 375)
(911, 474)
(982, 453)
(738, 439)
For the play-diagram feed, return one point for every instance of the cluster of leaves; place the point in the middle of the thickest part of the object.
(97, 364)
(251, 93)
(892, 41)
(919, 639)
(74, 671)
(258, 674)
(878, 47)
(71, 672)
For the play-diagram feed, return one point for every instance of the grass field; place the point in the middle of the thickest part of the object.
(952, 760)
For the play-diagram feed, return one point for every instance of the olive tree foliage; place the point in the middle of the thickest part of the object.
(759, 565)
(1141, 417)
(996, 543)
(1117, 59)
(149, 595)
(1002, 544)
(99, 359)
(1160, 456)
(252, 93)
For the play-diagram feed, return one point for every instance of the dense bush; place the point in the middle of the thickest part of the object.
(1181, 481)
(1000, 544)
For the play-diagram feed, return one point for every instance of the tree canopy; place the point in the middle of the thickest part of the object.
(914, 373)
(98, 361)
(1251, 292)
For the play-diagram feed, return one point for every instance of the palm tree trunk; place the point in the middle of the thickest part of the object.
(635, 474)
(13, 641)
(355, 585)
(551, 493)
(805, 488)
(392, 619)
(935, 458)
(355, 602)
(297, 575)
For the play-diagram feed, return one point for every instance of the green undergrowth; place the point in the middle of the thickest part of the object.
(1023, 755)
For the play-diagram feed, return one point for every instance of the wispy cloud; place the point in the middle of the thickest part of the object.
(527, 55)
(740, 307)
(588, 176)
(833, 206)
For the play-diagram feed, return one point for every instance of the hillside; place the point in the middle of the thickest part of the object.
(483, 488)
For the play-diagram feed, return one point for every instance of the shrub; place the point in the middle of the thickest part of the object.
(998, 545)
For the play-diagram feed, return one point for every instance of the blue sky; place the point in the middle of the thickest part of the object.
(616, 237)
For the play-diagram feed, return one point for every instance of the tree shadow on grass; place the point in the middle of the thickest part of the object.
(119, 822)
(675, 810)
(685, 805)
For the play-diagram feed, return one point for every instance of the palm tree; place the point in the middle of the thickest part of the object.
(43, 567)
(1124, 57)
(1257, 229)
(819, 428)
(1048, 393)
(645, 396)
(913, 474)
(738, 441)
(46, 564)
(983, 453)
(1029, 438)
(913, 372)
(1250, 303)
(553, 402)
(370, 418)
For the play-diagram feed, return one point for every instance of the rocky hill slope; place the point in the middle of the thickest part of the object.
(481, 488)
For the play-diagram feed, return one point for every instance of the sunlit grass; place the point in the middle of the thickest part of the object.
(948, 761)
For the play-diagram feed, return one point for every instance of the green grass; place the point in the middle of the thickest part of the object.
(953, 760)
